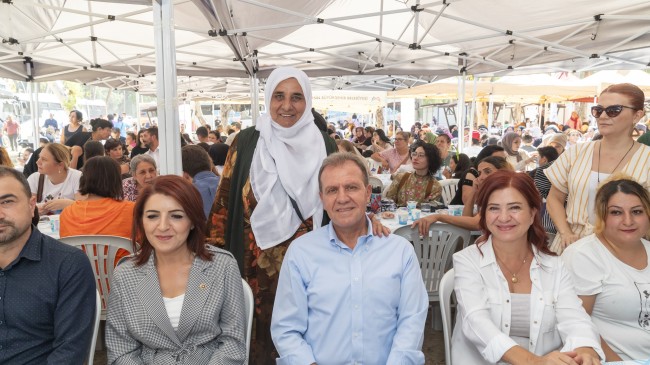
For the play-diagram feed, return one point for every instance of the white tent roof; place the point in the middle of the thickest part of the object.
(341, 44)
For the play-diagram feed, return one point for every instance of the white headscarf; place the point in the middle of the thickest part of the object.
(285, 163)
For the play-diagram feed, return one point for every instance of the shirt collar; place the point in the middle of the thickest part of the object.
(334, 239)
(32, 249)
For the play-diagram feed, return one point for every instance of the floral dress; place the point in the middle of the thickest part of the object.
(414, 188)
(261, 267)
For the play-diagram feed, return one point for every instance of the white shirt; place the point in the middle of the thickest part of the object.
(65, 190)
(231, 137)
(156, 156)
(622, 307)
(482, 331)
(174, 306)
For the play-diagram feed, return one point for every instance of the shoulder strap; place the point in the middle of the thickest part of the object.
(39, 192)
(403, 180)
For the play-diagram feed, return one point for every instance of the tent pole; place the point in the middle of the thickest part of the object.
(255, 98)
(460, 118)
(473, 112)
(490, 112)
(34, 106)
(169, 130)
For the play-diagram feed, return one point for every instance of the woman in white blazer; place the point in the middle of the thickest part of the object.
(516, 302)
(177, 300)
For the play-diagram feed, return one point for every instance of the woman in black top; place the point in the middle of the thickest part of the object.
(101, 131)
(139, 148)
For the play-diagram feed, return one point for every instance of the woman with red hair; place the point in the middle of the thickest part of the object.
(516, 301)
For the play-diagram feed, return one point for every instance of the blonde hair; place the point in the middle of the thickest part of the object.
(618, 183)
(60, 153)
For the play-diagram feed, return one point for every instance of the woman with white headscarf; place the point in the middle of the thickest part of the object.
(268, 194)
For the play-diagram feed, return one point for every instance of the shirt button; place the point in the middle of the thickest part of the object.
(356, 307)
(356, 279)
(507, 300)
(506, 325)
(535, 322)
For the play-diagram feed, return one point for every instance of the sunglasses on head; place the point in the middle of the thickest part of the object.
(611, 111)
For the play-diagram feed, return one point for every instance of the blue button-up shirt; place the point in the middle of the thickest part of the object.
(47, 304)
(336, 305)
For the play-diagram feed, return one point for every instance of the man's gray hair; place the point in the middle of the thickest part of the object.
(136, 160)
(11, 172)
(339, 159)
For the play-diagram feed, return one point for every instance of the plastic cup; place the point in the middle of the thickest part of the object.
(456, 210)
(402, 216)
(415, 214)
(55, 223)
(442, 211)
(411, 204)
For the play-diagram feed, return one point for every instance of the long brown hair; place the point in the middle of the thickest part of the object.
(189, 199)
(524, 184)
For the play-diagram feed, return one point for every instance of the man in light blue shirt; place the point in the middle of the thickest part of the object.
(344, 295)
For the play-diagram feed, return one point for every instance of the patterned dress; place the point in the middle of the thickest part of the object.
(261, 267)
(414, 188)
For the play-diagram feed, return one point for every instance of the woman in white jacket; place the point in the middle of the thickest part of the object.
(516, 302)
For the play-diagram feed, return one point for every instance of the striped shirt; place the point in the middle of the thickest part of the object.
(570, 175)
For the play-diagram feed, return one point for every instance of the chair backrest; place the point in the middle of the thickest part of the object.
(446, 289)
(435, 251)
(449, 187)
(93, 340)
(373, 166)
(104, 252)
(249, 307)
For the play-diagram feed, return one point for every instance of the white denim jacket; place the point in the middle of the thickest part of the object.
(481, 334)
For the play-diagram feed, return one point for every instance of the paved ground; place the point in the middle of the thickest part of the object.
(434, 348)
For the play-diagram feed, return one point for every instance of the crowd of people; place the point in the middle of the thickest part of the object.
(560, 273)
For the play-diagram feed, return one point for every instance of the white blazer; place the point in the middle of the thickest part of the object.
(481, 334)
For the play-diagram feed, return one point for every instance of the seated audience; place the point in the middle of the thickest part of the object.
(392, 158)
(143, 171)
(48, 288)
(113, 149)
(101, 209)
(140, 145)
(464, 190)
(93, 149)
(54, 184)
(379, 142)
(459, 164)
(611, 269)
(421, 184)
(468, 220)
(499, 280)
(178, 299)
(198, 169)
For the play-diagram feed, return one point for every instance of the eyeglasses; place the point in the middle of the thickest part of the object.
(400, 139)
(420, 155)
(611, 111)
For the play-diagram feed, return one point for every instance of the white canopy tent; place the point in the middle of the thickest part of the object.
(217, 45)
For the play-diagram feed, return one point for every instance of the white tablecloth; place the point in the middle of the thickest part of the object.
(630, 362)
(46, 228)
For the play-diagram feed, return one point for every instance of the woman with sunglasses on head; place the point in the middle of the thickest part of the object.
(579, 171)
(420, 185)
(611, 269)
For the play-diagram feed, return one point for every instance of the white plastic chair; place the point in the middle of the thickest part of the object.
(102, 253)
(445, 290)
(373, 166)
(449, 187)
(375, 182)
(434, 253)
(93, 340)
(249, 307)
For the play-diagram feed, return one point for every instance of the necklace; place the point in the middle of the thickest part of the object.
(514, 278)
(619, 162)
